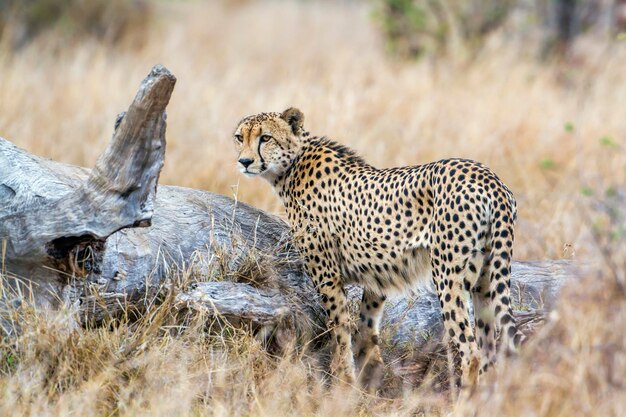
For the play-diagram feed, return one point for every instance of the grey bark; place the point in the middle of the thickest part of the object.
(71, 237)
(55, 216)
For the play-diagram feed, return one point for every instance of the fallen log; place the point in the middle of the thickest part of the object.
(54, 218)
(79, 238)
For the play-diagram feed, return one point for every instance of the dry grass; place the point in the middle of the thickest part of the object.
(165, 364)
(540, 127)
(574, 366)
(507, 111)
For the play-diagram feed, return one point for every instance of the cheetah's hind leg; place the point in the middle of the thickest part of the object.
(484, 317)
(452, 284)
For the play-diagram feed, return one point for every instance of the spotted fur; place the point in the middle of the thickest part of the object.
(450, 221)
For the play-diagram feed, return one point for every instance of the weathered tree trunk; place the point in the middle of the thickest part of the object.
(70, 235)
(58, 216)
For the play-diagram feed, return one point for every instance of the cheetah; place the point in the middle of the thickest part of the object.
(449, 221)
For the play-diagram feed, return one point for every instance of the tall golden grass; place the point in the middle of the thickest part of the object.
(553, 132)
(506, 110)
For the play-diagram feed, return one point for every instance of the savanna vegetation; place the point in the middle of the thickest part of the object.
(544, 111)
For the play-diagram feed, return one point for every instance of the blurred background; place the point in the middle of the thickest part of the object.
(535, 89)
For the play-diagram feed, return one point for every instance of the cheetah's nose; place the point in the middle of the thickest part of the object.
(246, 162)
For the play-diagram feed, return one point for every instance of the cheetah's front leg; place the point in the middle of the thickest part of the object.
(336, 305)
(335, 302)
(369, 362)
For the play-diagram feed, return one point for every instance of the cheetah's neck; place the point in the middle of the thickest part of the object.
(318, 157)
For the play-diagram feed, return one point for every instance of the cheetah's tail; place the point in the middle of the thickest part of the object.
(504, 216)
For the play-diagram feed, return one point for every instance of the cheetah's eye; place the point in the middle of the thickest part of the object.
(264, 138)
(239, 138)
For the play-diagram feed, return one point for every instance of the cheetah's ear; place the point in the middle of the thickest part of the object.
(295, 119)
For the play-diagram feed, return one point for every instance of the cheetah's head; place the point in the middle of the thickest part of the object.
(269, 142)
